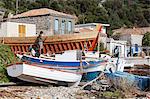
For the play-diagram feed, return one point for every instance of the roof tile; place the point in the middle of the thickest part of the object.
(42, 11)
(133, 31)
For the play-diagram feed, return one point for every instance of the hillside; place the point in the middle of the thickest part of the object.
(118, 13)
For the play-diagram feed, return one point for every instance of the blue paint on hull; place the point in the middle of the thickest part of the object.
(60, 63)
(143, 82)
(91, 75)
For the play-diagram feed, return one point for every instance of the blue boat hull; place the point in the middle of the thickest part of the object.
(142, 82)
(91, 75)
(60, 63)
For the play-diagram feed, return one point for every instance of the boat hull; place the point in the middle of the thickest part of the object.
(141, 82)
(41, 75)
(71, 63)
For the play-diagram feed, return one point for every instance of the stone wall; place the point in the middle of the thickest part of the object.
(43, 23)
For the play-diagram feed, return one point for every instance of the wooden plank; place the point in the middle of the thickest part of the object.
(44, 49)
(73, 46)
(69, 46)
(65, 47)
(19, 48)
(56, 48)
(23, 48)
(12, 48)
(15, 48)
(77, 45)
(52, 48)
(27, 48)
(60, 47)
(47, 47)
(81, 43)
(56, 38)
(90, 43)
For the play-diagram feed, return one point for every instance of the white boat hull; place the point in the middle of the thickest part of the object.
(100, 67)
(37, 74)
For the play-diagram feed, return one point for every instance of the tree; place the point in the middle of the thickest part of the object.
(146, 39)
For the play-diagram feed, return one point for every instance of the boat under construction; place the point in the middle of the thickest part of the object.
(55, 44)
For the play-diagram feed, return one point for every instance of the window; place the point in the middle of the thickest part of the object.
(56, 26)
(69, 26)
(22, 30)
(63, 27)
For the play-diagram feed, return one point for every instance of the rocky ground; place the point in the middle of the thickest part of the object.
(52, 92)
(37, 92)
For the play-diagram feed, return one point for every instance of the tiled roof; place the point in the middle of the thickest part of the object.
(87, 30)
(42, 11)
(133, 31)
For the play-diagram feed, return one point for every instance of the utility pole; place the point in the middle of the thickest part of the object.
(16, 6)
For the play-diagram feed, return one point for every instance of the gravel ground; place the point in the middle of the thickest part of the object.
(37, 92)
(51, 92)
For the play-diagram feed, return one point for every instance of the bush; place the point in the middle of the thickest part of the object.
(146, 39)
(6, 57)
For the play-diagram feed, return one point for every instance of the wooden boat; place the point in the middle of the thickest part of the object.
(69, 59)
(55, 43)
(42, 75)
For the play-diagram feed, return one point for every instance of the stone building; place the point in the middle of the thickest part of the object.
(49, 21)
(133, 36)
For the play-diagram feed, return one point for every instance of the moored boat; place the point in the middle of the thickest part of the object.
(69, 60)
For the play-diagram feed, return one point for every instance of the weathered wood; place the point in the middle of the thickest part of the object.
(77, 45)
(60, 47)
(47, 47)
(52, 48)
(12, 48)
(55, 38)
(73, 46)
(27, 48)
(69, 46)
(55, 43)
(65, 47)
(44, 49)
(82, 46)
(56, 48)
(23, 49)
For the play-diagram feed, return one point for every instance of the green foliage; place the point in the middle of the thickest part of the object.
(146, 39)
(6, 57)
(115, 95)
(117, 13)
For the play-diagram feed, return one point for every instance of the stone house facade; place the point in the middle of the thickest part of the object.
(49, 21)
(133, 36)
